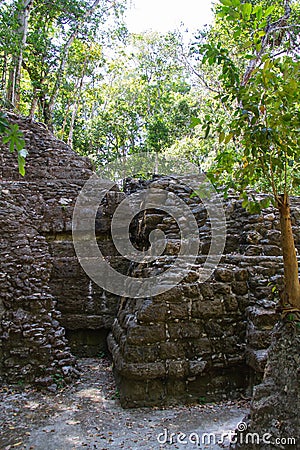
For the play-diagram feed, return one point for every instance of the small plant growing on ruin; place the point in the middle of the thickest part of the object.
(58, 380)
(12, 136)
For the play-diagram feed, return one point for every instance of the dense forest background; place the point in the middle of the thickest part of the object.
(228, 100)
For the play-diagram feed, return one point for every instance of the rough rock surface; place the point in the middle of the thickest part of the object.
(274, 411)
(33, 344)
(199, 339)
(45, 294)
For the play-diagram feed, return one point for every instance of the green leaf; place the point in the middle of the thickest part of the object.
(207, 131)
(5, 139)
(265, 202)
(221, 137)
(269, 11)
(246, 10)
(253, 207)
(245, 203)
(226, 2)
(3, 123)
(21, 164)
(194, 122)
(259, 12)
(261, 33)
(20, 144)
(228, 138)
(15, 141)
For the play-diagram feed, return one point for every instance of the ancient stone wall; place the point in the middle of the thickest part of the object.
(45, 294)
(201, 340)
(196, 341)
(274, 413)
(33, 347)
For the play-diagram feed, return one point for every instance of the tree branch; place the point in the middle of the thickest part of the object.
(280, 24)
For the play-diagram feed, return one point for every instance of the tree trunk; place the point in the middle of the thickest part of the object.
(76, 104)
(11, 86)
(34, 103)
(4, 69)
(61, 69)
(71, 131)
(15, 72)
(63, 128)
(291, 277)
(156, 163)
(65, 54)
(46, 112)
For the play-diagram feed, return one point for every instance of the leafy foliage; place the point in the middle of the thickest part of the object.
(142, 103)
(259, 87)
(12, 136)
(231, 104)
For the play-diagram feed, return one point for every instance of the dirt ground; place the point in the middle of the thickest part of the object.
(88, 415)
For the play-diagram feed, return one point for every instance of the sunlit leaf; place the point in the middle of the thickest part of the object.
(226, 2)
(247, 9)
(221, 137)
(269, 10)
(194, 122)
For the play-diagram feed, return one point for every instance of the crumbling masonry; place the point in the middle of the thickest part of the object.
(197, 340)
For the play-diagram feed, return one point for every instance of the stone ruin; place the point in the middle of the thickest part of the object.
(195, 342)
(274, 411)
(49, 309)
(201, 341)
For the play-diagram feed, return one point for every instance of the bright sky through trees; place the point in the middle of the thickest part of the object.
(166, 15)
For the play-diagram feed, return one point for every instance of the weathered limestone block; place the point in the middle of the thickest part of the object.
(33, 346)
(208, 339)
(207, 308)
(256, 359)
(261, 320)
(40, 274)
(275, 405)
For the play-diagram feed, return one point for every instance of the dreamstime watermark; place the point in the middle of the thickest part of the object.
(240, 436)
(155, 197)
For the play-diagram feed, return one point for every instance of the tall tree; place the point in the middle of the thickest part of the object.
(36, 46)
(260, 83)
(143, 101)
(21, 13)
